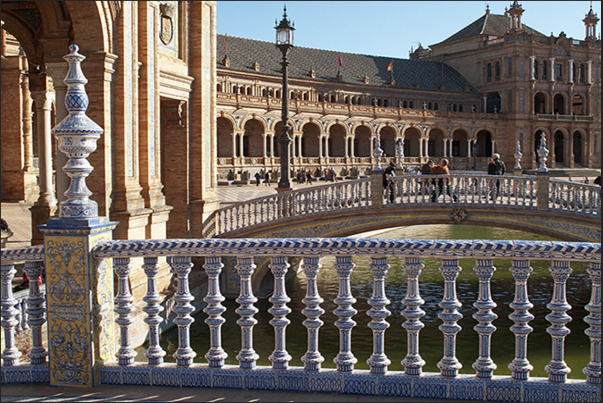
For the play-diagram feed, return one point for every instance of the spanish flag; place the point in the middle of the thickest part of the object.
(390, 66)
(339, 61)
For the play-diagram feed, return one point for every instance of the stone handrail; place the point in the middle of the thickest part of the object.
(122, 369)
(470, 189)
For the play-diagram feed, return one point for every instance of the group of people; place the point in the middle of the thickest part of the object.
(440, 185)
(303, 177)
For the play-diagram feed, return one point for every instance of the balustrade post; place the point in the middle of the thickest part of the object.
(11, 354)
(345, 359)
(247, 356)
(484, 366)
(413, 363)
(312, 358)
(153, 309)
(449, 365)
(378, 361)
(280, 357)
(182, 267)
(123, 309)
(520, 366)
(376, 189)
(36, 312)
(214, 310)
(542, 177)
(593, 369)
(557, 368)
(80, 321)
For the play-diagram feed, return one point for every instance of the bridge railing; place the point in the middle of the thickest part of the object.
(190, 369)
(466, 189)
(342, 195)
(575, 197)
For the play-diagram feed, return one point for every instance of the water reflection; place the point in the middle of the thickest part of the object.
(431, 283)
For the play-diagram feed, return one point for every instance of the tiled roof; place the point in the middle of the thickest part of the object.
(490, 25)
(243, 53)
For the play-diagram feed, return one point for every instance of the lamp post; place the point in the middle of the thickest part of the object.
(284, 41)
(475, 149)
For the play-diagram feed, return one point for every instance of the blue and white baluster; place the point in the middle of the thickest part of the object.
(484, 366)
(182, 266)
(36, 313)
(123, 309)
(11, 354)
(280, 357)
(312, 359)
(247, 356)
(520, 366)
(449, 365)
(345, 360)
(413, 362)
(557, 368)
(214, 310)
(153, 310)
(593, 369)
(378, 361)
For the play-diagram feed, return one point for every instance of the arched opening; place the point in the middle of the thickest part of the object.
(559, 104)
(539, 103)
(310, 140)
(493, 102)
(484, 141)
(459, 144)
(388, 141)
(337, 141)
(435, 145)
(225, 140)
(412, 143)
(362, 141)
(577, 147)
(578, 105)
(559, 146)
(253, 139)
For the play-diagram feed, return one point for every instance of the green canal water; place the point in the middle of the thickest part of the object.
(431, 286)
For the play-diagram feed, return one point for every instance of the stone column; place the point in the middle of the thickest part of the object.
(589, 63)
(552, 59)
(149, 126)
(46, 204)
(58, 72)
(532, 60)
(570, 63)
(27, 127)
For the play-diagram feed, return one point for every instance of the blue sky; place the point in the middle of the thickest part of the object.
(389, 28)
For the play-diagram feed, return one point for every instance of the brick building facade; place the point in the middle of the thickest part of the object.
(495, 84)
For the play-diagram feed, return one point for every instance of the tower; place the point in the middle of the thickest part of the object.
(515, 13)
(590, 21)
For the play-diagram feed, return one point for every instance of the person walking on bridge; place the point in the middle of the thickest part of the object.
(496, 167)
(442, 169)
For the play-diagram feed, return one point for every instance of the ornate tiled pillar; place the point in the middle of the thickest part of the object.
(79, 288)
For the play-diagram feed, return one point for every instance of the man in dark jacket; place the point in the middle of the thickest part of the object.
(496, 167)
(388, 182)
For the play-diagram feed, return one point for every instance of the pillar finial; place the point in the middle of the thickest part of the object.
(542, 154)
(76, 136)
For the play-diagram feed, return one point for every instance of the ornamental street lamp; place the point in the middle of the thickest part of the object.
(475, 149)
(284, 41)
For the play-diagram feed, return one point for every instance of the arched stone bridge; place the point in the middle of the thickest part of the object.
(566, 210)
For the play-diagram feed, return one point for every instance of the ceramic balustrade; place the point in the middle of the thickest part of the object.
(471, 189)
(180, 252)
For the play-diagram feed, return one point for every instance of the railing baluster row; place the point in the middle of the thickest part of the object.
(345, 311)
